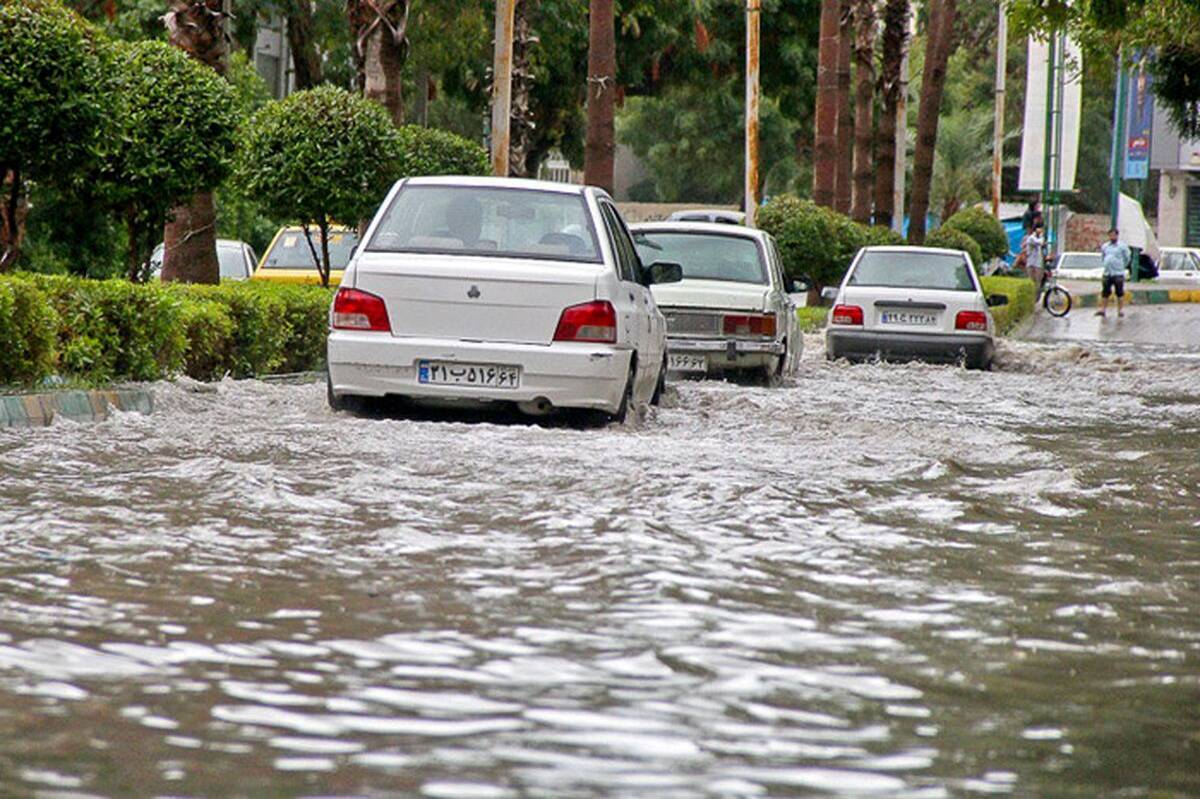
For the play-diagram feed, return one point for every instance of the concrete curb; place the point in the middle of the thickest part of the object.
(39, 410)
(1142, 297)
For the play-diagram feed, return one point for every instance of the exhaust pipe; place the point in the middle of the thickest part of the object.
(538, 407)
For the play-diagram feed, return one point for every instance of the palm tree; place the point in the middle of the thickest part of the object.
(933, 83)
(198, 27)
(825, 136)
(864, 109)
(962, 171)
(600, 144)
(845, 123)
(380, 32)
(895, 43)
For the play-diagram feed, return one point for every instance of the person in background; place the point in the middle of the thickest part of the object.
(1032, 216)
(1033, 247)
(1116, 256)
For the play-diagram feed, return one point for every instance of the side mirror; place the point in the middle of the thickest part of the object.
(995, 300)
(663, 272)
(829, 293)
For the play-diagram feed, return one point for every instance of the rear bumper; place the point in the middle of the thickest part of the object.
(568, 375)
(732, 353)
(858, 345)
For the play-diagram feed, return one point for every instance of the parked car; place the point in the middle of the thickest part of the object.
(732, 312)
(719, 215)
(1079, 266)
(290, 259)
(499, 290)
(906, 303)
(236, 260)
(1179, 263)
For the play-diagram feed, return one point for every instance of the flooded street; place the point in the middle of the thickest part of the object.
(896, 580)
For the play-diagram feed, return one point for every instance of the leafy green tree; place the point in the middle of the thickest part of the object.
(174, 122)
(953, 239)
(51, 109)
(319, 156)
(429, 151)
(984, 228)
(691, 139)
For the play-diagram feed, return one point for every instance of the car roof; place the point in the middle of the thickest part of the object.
(498, 183)
(712, 228)
(911, 248)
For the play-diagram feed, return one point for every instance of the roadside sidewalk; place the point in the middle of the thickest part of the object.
(40, 410)
(1086, 293)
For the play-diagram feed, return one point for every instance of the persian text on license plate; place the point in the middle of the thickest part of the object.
(908, 318)
(687, 363)
(485, 375)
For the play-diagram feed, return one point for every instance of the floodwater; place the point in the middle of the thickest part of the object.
(879, 580)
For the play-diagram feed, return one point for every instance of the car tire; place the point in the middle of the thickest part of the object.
(661, 385)
(627, 396)
(771, 375)
(343, 402)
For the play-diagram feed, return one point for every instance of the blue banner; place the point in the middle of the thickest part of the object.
(1140, 119)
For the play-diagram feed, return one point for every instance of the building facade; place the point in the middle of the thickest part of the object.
(1178, 161)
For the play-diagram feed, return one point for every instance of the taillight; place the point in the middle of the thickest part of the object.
(749, 325)
(358, 310)
(846, 315)
(591, 321)
(970, 320)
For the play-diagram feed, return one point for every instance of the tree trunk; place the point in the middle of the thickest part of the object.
(600, 146)
(306, 61)
(13, 208)
(864, 110)
(933, 81)
(521, 116)
(190, 237)
(895, 39)
(845, 124)
(825, 135)
(380, 30)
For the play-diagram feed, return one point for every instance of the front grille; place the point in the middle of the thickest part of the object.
(688, 322)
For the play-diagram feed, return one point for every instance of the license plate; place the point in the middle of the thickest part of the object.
(909, 318)
(687, 363)
(484, 375)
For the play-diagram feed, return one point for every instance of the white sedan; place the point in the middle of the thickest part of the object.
(912, 303)
(1179, 263)
(733, 310)
(485, 290)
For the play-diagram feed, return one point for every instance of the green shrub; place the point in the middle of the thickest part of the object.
(952, 239)
(208, 327)
(429, 151)
(259, 328)
(817, 241)
(115, 330)
(985, 229)
(306, 316)
(1021, 293)
(812, 318)
(27, 333)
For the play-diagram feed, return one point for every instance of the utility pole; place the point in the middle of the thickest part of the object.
(998, 125)
(753, 15)
(898, 210)
(1118, 142)
(502, 86)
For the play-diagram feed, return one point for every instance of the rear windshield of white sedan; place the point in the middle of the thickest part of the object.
(705, 256)
(474, 220)
(912, 270)
(1081, 260)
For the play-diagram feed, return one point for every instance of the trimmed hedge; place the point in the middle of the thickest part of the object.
(1021, 293)
(953, 239)
(98, 331)
(817, 241)
(985, 229)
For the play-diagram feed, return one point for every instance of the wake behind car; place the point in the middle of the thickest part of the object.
(499, 290)
(912, 303)
(732, 311)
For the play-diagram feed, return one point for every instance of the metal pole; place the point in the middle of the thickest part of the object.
(902, 126)
(502, 85)
(998, 124)
(1060, 87)
(1118, 144)
(1048, 137)
(753, 13)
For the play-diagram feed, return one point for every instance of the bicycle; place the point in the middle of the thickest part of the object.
(1055, 299)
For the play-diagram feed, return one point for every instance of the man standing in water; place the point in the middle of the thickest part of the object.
(1116, 257)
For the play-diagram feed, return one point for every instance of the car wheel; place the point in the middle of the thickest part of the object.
(344, 402)
(661, 385)
(771, 375)
(627, 396)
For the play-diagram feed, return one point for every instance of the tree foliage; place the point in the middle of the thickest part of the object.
(174, 121)
(953, 239)
(319, 156)
(985, 229)
(429, 151)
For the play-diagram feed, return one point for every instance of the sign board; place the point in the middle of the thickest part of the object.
(1139, 120)
(1033, 135)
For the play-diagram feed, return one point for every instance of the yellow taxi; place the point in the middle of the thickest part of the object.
(289, 259)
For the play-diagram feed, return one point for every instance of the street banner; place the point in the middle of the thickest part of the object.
(1033, 135)
(1139, 119)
